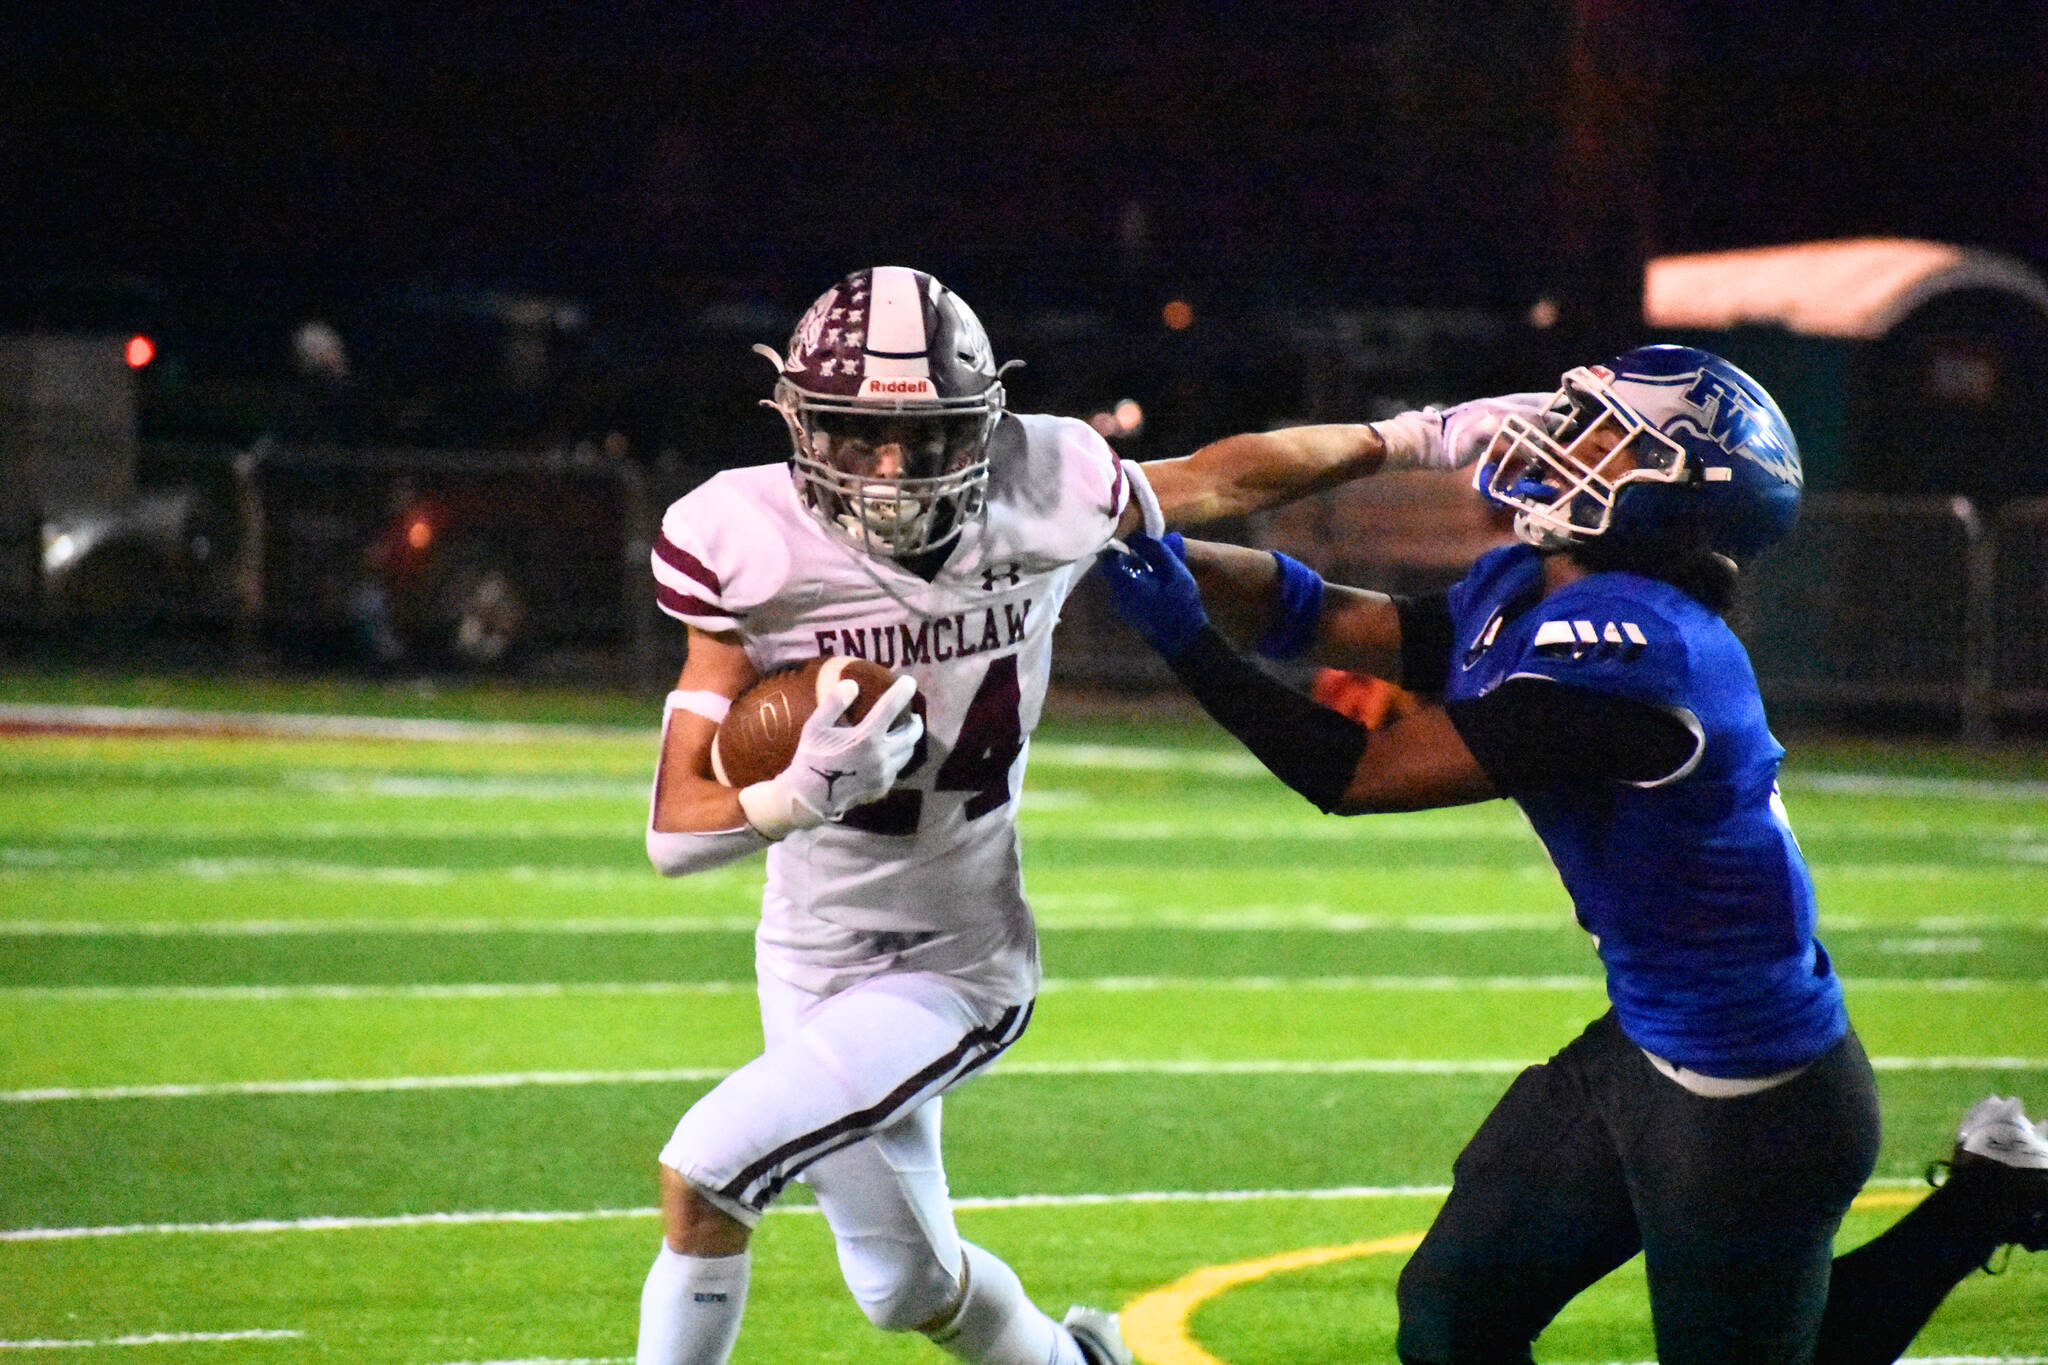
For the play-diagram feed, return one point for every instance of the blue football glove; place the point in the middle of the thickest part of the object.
(1151, 588)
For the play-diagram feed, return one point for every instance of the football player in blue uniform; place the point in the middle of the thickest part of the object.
(1721, 1115)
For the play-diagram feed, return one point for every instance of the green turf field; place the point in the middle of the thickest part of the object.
(359, 1049)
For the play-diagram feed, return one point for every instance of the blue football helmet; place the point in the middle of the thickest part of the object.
(1658, 441)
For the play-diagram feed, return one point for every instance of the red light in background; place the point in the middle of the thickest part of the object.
(419, 533)
(140, 351)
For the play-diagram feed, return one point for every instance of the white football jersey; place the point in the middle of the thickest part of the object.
(928, 877)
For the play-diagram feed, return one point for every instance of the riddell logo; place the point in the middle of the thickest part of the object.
(921, 387)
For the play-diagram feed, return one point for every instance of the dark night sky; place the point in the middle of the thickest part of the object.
(637, 151)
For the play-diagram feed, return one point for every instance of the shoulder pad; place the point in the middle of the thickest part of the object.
(723, 549)
(1056, 489)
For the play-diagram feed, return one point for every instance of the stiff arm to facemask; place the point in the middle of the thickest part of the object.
(1453, 437)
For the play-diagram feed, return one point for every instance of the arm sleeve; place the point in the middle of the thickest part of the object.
(676, 853)
(1425, 642)
(1531, 731)
(1309, 747)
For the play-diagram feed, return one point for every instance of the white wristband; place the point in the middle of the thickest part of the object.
(709, 705)
(1151, 520)
(1407, 439)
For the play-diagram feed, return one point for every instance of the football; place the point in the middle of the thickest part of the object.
(759, 735)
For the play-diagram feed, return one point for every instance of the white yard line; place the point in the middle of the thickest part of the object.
(484, 990)
(289, 725)
(1307, 919)
(151, 1339)
(514, 1080)
(1115, 757)
(284, 928)
(1946, 788)
(524, 990)
(1018, 1201)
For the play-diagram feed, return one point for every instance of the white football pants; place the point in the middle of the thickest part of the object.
(846, 1095)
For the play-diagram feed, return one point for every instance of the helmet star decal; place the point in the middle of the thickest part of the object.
(891, 392)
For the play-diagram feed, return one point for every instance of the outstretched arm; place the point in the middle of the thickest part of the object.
(1417, 762)
(1260, 469)
(1247, 594)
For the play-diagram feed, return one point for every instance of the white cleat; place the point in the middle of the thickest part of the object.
(1097, 1334)
(2005, 1157)
(1997, 1129)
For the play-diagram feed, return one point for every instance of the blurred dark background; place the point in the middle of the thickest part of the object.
(389, 169)
(555, 230)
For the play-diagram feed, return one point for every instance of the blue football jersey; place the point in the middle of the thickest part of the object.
(1693, 886)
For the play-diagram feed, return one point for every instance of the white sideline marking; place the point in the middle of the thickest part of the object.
(2017, 863)
(1117, 757)
(526, 990)
(1343, 1066)
(277, 928)
(153, 1339)
(1308, 919)
(510, 1080)
(1903, 1360)
(312, 869)
(1009, 1201)
(1880, 784)
(481, 990)
(1141, 758)
(300, 726)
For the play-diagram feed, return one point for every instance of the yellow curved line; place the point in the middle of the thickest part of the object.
(1156, 1323)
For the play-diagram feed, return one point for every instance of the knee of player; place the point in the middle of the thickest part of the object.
(1425, 1297)
(693, 1224)
(1445, 1317)
(904, 1290)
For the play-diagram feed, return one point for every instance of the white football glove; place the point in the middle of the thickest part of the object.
(1454, 437)
(837, 767)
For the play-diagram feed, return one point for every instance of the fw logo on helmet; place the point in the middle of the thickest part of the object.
(1724, 414)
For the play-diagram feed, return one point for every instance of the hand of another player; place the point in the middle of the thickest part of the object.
(1454, 437)
(1469, 428)
(1151, 588)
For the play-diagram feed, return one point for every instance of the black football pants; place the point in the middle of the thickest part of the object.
(1594, 1156)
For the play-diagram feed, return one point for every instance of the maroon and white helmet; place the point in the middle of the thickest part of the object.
(891, 392)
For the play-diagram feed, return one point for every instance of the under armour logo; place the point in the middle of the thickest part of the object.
(1007, 572)
(831, 776)
(1580, 638)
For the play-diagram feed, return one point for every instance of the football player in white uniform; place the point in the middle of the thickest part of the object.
(919, 524)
